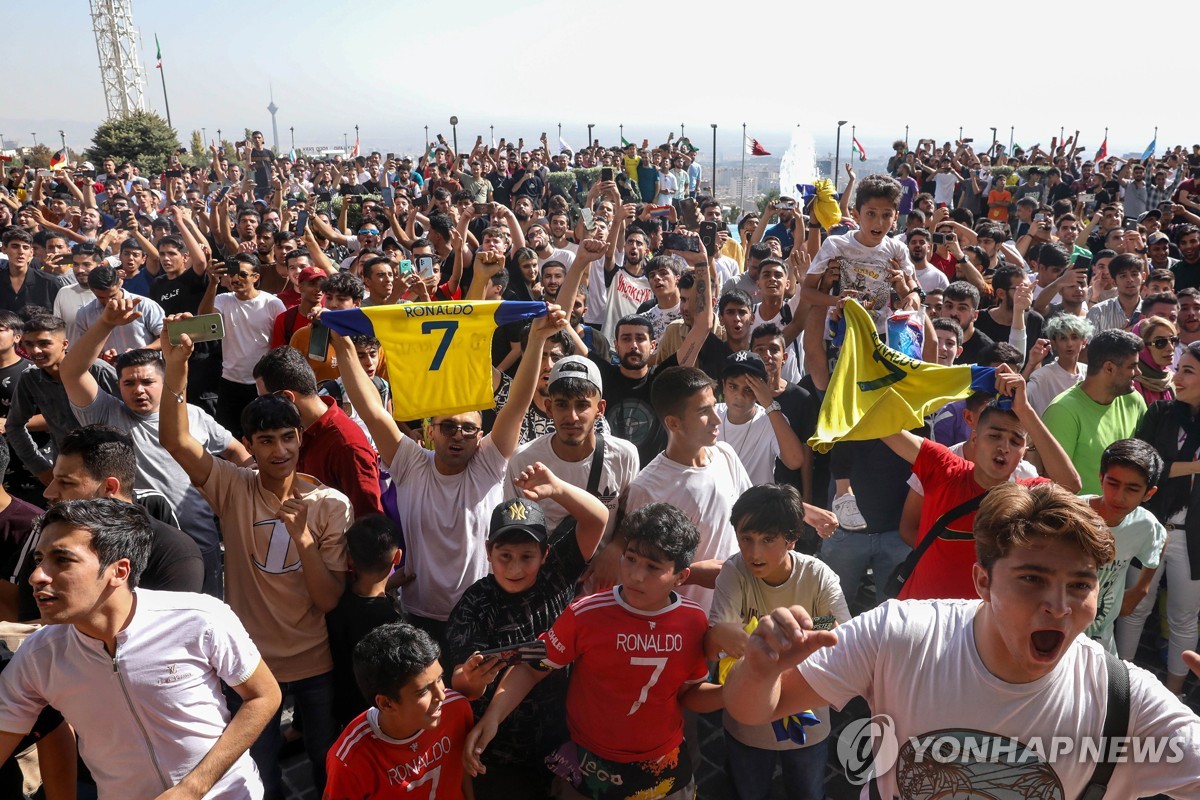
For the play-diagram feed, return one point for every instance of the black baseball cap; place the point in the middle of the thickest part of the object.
(744, 363)
(518, 514)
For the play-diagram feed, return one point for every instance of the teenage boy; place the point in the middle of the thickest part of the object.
(123, 663)
(1068, 335)
(960, 302)
(342, 291)
(248, 316)
(142, 333)
(1001, 439)
(310, 288)
(663, 274)
(535, 569)
(1008, 667)
(84, 258)
(576, 401)
(767, 573)
(409, 744)
(753, 422)
(1128, 272)
(625, 696)
(1129, 473)
(285, 554)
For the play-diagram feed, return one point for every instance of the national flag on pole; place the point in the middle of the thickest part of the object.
(856, 147)
(58, 160)
(562, 145)
(354, 152)
(292, 155)
(1102, 153)
(158, 54)
(876, 391)
(1150, 148)
(434, 348)
(753, 148)
(624, 142)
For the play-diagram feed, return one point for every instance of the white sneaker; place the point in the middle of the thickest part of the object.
(846, 509)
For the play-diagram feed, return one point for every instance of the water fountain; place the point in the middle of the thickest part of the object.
(798, 165)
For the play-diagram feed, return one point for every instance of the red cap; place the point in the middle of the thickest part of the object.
(311, 274)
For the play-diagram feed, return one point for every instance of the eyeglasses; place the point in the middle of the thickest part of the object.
(469, 431)
(1162, 341)
(368, 232)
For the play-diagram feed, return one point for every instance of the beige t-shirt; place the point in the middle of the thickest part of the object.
(264, 582)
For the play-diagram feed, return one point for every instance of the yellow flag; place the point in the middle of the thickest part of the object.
(876, 391)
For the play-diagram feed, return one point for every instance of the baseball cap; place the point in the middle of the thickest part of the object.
(518, 514)
(1154, 212)
(744, 363)
(577, 367)
(311, 274)
(1156, 237)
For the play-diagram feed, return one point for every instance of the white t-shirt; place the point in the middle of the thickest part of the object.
(445, 519)
(597, 294)
(1139, 536)
(661, 317)
(616, 473)
(1048, 382)
(917, 662)
(793, 366)
(864, 270)
(67, 303)
(931, 279)
(248, 326)
(740, 597)
(626, 294)
(704, 494)
(1023, 471)
(944, 183)
(563, 256)
(753, 441)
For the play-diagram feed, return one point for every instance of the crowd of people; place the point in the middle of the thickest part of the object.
(215, 505)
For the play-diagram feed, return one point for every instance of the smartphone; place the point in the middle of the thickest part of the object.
(202, 328)
(425, 266)
(1038, 217)
(589, 219)
(606, 173)
(525, 653)
(1131, 225)
(677, 241)
(941, 238)
(345, 190)
(482, 209)
(1084, 263)
(708, 236)
(174, 173)
(318, 342)
(89, 173)
(45, 173)
(301, 223)
(391, 157)
(406, 266)
(1087, 198)
(788, 204)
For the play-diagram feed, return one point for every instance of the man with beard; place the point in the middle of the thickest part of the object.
(537, 238)
(1009, 282)
(1187, 270)
(929, 277)
(625, 275)
(84, 258)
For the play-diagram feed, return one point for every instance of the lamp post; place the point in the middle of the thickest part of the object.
(1011, 134)
(204, 133)
(837, 158)
(346, 142)
(492, 131)
(682, 135)
(356, 146)
(220, 141)
(454, 132)
(34, 134)
(292, 131)
(960, 133)
(590, 126)
(714, 174)
(905, 137)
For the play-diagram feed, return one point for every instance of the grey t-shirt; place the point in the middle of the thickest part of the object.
(156, 468)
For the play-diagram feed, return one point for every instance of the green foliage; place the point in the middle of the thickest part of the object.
(197, 150)
(39, 157)
(563, 181)
(767, 199)
(354, 215)
(142, 137)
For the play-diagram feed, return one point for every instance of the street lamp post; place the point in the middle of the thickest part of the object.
(346, 142)
(356, 147)
(714, 162)
(34, 134)
(454, 131)
(837, 158)
(590, 126)
(292, 130)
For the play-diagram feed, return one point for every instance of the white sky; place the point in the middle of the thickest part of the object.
(524, 66)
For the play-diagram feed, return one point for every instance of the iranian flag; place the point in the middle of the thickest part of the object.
(856, 147)
(158, 54)
(753, 148)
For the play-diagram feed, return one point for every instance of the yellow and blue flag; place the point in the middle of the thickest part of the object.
(439, 354)
(876, 391)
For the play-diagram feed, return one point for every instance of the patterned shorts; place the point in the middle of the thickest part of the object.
(666, 778)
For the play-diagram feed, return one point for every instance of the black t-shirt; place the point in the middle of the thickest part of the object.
(879, 478)
(973, 347)
(532, 187)
(999, 333)
(801, 410)
(262, 160)
(183, 294)
(629, 412)
(1061, 191)
(348, 624)
(1187, 276)
(18, 480)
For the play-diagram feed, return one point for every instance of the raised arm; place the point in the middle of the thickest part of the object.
(81, 387)
(174, 433)
(537, 483)
(1055, 461)
(327, 231)
(196, 256)
(366, 399)
(506, 432)
(705, 267)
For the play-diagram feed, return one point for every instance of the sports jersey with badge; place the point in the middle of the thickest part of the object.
(367, 763)
(438, 352)
(628, 668)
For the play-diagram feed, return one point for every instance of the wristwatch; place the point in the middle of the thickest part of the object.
(773, 407)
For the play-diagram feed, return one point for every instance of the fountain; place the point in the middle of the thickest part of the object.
(798, 165)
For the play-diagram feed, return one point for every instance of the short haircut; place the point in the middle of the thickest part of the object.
(767, 330)
(1067, 324)
(947, 324)
(1113, 345)
(1151, 300)
(1135, 454)
(11, 321)
(1126, 262)
(883, 187)
(991, 409)
(1053, 255)
(1190, 292)
(958, 291)
(390, 656)
(172, 240)
(299, 252)
(369, 265)
(119, 530)
(661, 532)
(1017, 516)
(138, 358)
(248, 259)
(636, 320)
(269, 412)
(372, 542)
(88, 250)
(673, 387)
(663, 262)
(345, 284)
(918, 232)
(552, 263)
(759, 251)
(732, 297)
(769, 508)
(1005, 276)
(15, 234)
(105, 453)
(1161, 276)
(285, 368)
(998, 353)
(365, 340)
(45, 322)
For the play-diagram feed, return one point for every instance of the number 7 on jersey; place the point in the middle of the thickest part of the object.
(448, 329)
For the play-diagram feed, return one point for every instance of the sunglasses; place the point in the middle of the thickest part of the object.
(1163, 341)
(368, 232)
(242, 274)
(469, 431)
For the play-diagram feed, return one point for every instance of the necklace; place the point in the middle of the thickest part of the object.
(748, 425)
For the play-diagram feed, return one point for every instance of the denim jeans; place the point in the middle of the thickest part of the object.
(314, 701)
(849, 553)
(752, 770)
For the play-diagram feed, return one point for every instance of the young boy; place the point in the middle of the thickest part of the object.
(753, 422)
(638, 660)
(766, 574)
(372, 552)
(1129, 473)
(961, 304)
(409, 744)
(533, 579)
(368, 349)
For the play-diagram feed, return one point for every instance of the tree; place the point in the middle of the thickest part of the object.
(766, 199)
(198, 150)
(39, 157)
(142, 138)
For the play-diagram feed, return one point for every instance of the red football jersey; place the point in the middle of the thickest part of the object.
(366, 763)
(622, 701)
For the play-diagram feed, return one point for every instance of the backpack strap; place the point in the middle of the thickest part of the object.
(1116, 724)
(597, 465)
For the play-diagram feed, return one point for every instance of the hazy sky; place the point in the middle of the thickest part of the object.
(524, 66)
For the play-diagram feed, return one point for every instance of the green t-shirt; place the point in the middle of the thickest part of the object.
(1084, 428)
